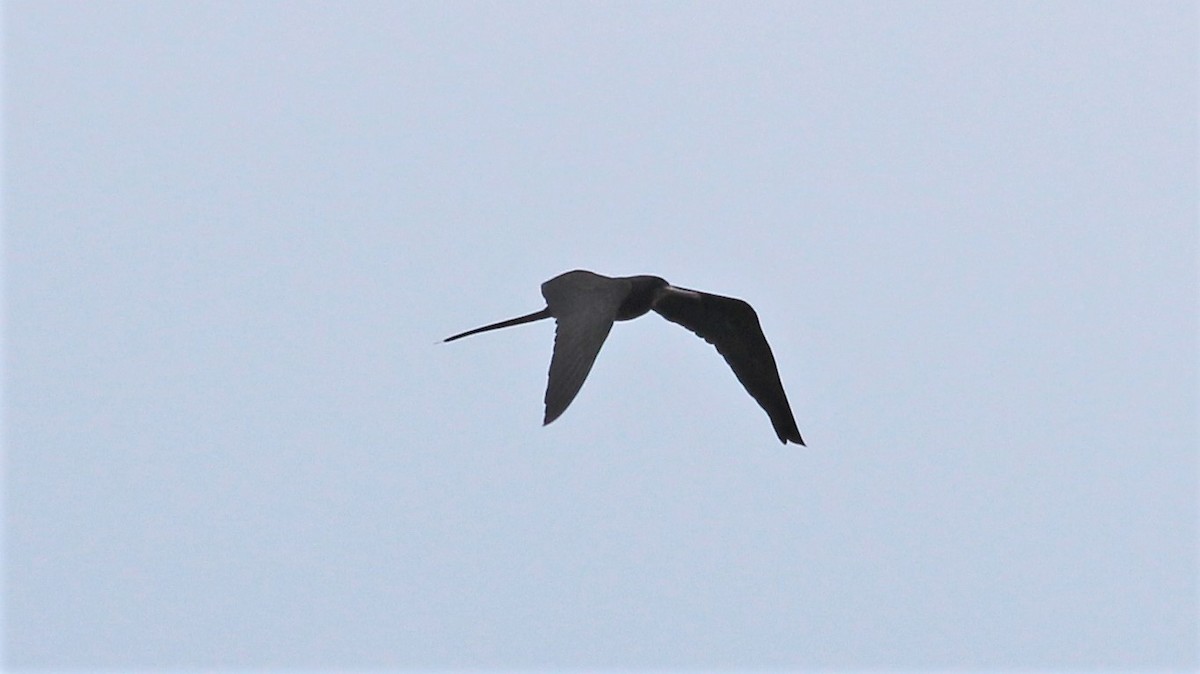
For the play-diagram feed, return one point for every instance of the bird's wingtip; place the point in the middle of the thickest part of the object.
(793, 438)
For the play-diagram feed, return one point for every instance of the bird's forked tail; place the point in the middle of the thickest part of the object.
(528, 318)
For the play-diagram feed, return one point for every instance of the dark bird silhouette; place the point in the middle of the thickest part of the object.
(584, 305)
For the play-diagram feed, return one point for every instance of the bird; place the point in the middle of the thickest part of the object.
(585, 305)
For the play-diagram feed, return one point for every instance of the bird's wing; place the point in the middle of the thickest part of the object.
(584, 306)
(732, 326)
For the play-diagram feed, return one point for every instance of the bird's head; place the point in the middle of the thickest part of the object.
(641, 296)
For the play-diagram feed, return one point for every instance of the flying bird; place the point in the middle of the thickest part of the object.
(584, 306)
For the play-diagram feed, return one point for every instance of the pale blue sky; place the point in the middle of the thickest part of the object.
(235, 232)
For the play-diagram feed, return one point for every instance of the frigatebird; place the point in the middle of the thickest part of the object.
(584, 306)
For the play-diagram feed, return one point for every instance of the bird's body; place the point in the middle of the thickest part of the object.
(584, 306)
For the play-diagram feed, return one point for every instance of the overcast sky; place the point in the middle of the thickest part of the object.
(236, 232)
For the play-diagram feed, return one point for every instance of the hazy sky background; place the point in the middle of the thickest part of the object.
(235, 232)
